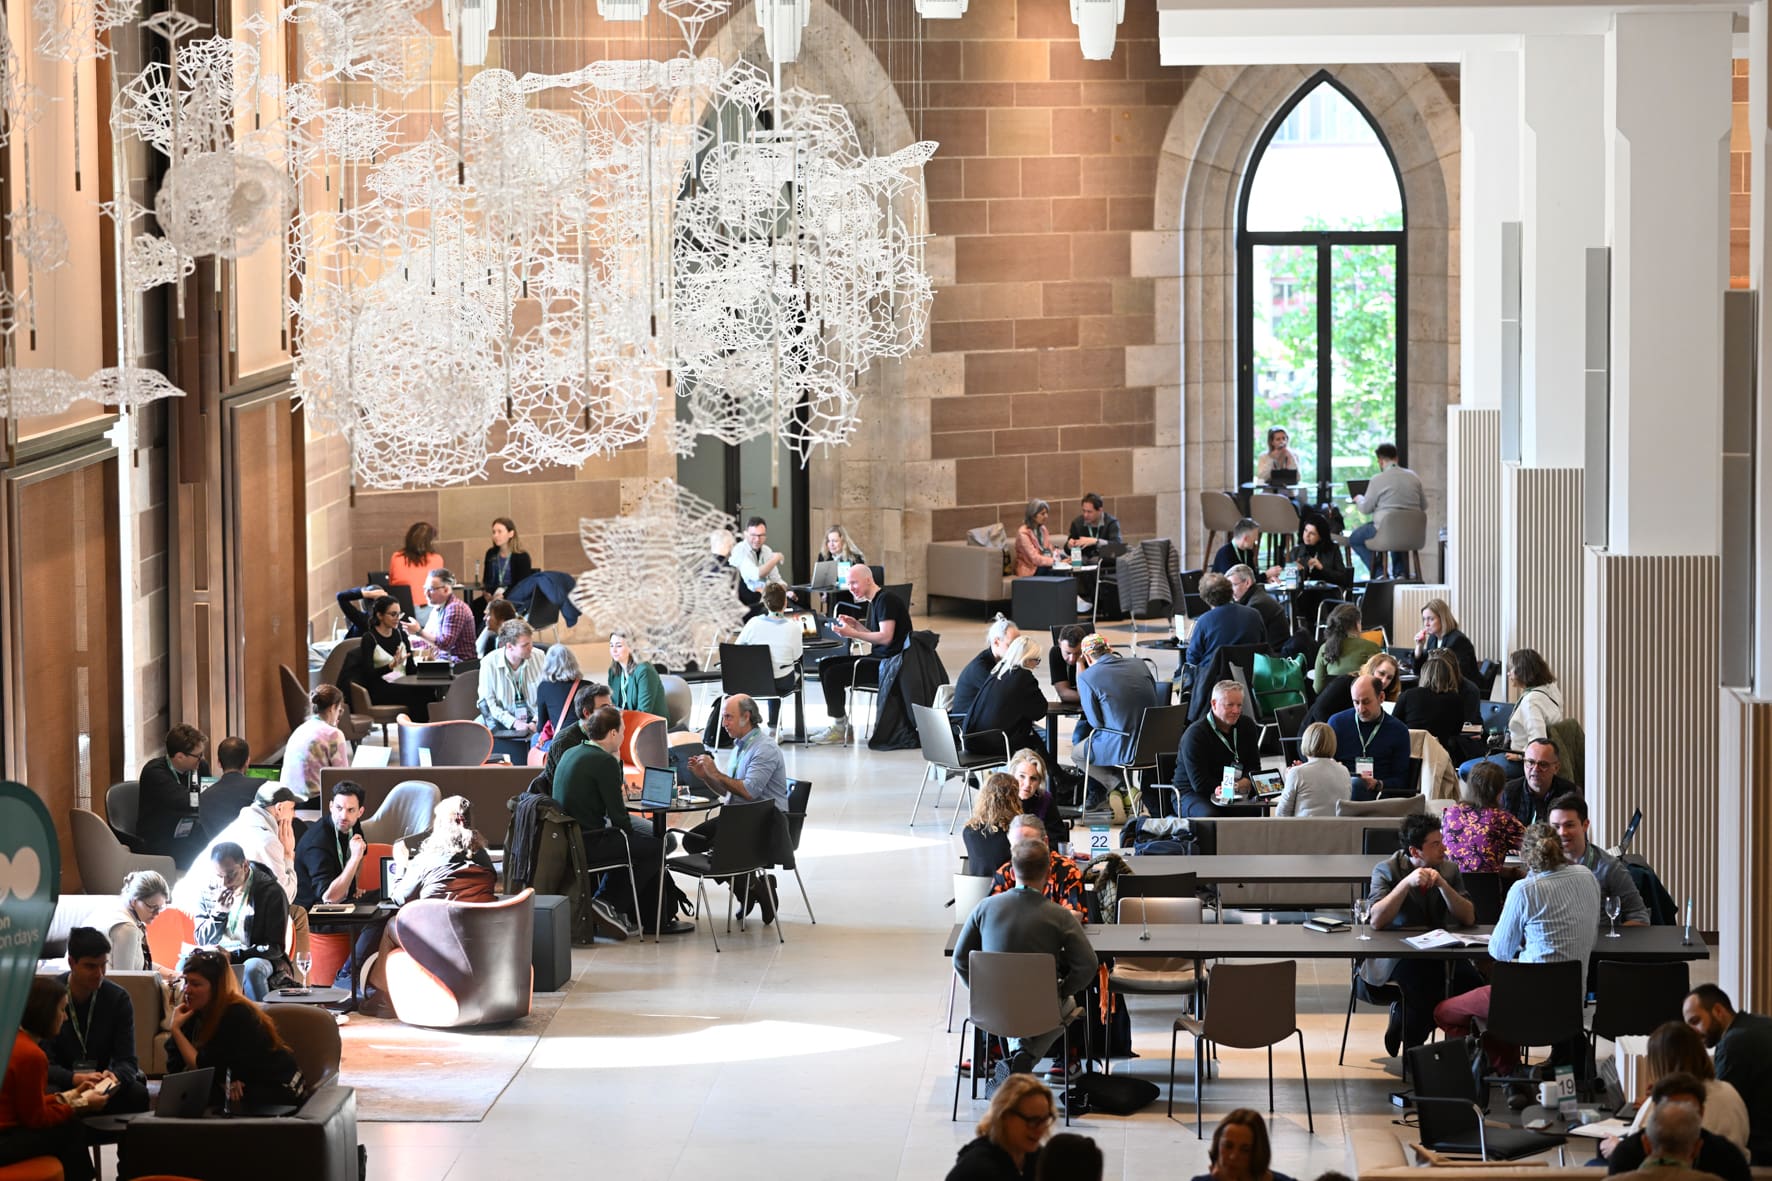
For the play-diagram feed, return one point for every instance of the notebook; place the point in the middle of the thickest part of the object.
(387, 883)
(1357, 487)
(1282, 477)
(824, 576)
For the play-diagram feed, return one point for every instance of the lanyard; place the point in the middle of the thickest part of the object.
(737, 750)
(338, 843)
(1235, 757)
(74, 1017)
(238, 910)
(503, 565)
(1365, 738)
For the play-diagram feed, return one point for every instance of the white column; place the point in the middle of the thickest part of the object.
(1668, 114)
(1489, 187)
(1562, 198)
(1759, 119)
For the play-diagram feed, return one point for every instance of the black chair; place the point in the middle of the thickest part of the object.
(749, 841)
(1192, 605)
(1375, 606)
(543, 612)
(1451, 1116)
(1362, 991)
(1380, 842)
(1158, 736)
(1636, 998)
(1157, 885)
(747, 669)
(123, 813)
(1535, 1005)
(901, 591)
(799, 795)
(1224, 667)
(1487, 894)
(942, 754)
(1487, 671)
(1290, 719)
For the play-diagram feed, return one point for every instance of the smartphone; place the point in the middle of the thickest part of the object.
(105, 1086)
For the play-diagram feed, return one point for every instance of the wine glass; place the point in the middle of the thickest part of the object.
(1612, 908)
(303, 961)
(1363, 916)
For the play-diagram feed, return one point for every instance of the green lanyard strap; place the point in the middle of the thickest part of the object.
(74, 1018)
(1235, 757)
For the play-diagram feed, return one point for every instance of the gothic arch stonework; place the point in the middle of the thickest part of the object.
(1199, 176)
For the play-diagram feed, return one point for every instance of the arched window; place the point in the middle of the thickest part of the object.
(1321, 269)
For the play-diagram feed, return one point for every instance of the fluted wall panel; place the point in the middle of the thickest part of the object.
(1473, 519)
(1541, 570)
(1652, 722)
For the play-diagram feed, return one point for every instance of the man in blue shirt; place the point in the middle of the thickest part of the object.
(754, 771)
(1371, 744)
(1113, 692)
(1226, 622)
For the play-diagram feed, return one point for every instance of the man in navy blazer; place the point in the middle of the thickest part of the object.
(1114, 692)
(1225, 623)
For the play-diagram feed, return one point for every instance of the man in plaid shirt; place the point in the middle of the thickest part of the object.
(450, 635)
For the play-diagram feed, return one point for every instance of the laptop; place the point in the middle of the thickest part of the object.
(387, 885)
(1630, 832)
(403, 594)
(1108, 550)
(1357, 487)
(824, 576)
(371, 756)
(658, 787)
(185, 1095)
(808, 625)
(1282, 477)
(432, 668)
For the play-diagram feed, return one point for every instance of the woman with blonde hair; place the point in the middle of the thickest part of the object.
(1439, 633)
(1314, 786)
(986, 834)
(1010, 704)
(1031, 783)
(1010, 1134)
(1436, 703)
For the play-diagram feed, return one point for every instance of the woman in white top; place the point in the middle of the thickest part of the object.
(1675, 1047)
(1540, 702)
(316, 743)
(1278, 455)
(1313, 786)
(782, 633)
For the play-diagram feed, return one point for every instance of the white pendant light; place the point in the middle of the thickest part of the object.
(783, 21)
(622, 10)
(476, 19)
(934, 10)
(1097, 21)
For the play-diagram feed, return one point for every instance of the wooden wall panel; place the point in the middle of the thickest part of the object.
(62, 620)
(267, 562)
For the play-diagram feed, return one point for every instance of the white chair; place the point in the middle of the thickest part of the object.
(406, 810)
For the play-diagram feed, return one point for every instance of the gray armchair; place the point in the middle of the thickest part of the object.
(317, 1143)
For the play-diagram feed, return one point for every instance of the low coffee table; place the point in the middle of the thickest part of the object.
(317, 995)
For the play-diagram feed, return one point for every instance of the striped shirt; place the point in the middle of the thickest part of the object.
(1553, 915)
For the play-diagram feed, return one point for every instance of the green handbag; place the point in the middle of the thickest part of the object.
(1278, 681)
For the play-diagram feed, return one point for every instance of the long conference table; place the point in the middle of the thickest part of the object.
(1290, 941)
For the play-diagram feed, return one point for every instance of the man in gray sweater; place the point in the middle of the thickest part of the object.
(1025, 920)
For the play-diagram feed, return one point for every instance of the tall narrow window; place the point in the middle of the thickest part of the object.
(1320, 286)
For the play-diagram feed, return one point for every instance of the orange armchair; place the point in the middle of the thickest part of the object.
(462, 963)
(643, 744)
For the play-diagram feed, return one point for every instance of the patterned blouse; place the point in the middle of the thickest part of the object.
(1064, 885)
(1479, 841)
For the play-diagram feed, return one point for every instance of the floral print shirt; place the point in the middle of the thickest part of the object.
(1480, 840)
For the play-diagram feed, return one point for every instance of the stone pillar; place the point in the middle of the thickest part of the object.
(1489, 116)
(1668, 113)
(1562, 198)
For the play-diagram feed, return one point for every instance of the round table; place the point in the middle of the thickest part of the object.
(317, 995)
(660, 825)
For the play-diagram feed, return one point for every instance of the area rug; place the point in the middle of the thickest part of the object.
(408, 1074)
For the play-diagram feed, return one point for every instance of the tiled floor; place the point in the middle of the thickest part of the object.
(828, 1056)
